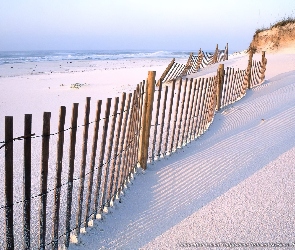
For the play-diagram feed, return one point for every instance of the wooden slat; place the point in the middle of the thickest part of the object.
(131, 134)
(123, 142)
(101, 156)
(212, 94)
(191, 113)
(109, 154)
(235, 85)
(139, 123)
(60, 144)
(169, 115)
(175, 115)
(180, 124)
(196, 113)
(83, 166)
(71, 171)
(116, 147)
(224, 89)
(134, 155)
(195, 104)
(214, 82)
(92, 163)
(43, 178)
(126, 147)
(9, 182)
(162, 122)
(200, 108)
(206, 106)
(156, 121)
(186, 110)
(27, 181)
(232, 72)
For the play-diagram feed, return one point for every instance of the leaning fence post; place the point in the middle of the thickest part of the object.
(249, 68)
(146, 120)
(166, 71)
(9, 181)
(220, 79)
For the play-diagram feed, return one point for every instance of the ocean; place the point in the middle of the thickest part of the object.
(11, 57)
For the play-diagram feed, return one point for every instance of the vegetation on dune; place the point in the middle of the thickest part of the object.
(276, 41)
(280, 23)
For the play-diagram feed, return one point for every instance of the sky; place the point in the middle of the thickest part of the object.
(135, 24)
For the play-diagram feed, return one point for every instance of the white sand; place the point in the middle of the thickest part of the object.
(234, 184)
(31, 88)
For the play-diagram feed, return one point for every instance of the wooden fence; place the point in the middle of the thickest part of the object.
(137, 128)
(194, 63)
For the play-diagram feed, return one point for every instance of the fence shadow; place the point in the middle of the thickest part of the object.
(176, 187)
(133, 131)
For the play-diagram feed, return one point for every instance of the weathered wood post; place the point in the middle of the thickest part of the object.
(188, 65)
(9, 182)
(200, 59)
(215, 56)
(27, 181)
(83, 166)
(60, 144)
(146, 120)
(71, 171)
(220, 79)
(226, 53)
(249, 68)
(44, 179)
(263, 66)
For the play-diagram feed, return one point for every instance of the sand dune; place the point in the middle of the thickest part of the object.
(278, 39)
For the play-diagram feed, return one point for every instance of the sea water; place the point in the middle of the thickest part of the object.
(11, 57)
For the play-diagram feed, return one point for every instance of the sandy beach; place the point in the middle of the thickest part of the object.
(91, 158)
(33, 88)
(233, 184)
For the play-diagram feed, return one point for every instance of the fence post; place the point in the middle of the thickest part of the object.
(263, 68)
(200, 59)
(215, 56)
(83, 167)
(71, 171)
(44, 178)
(249, 68)
(220, 79)
(146, 120)
(9, 182)
(226, 53)
(60, 145)
(188, 65)
(27, 181)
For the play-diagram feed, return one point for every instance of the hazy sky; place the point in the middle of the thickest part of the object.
(135, 24)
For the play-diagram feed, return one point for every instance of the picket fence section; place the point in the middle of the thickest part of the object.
(91, 169)
(194, 63)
